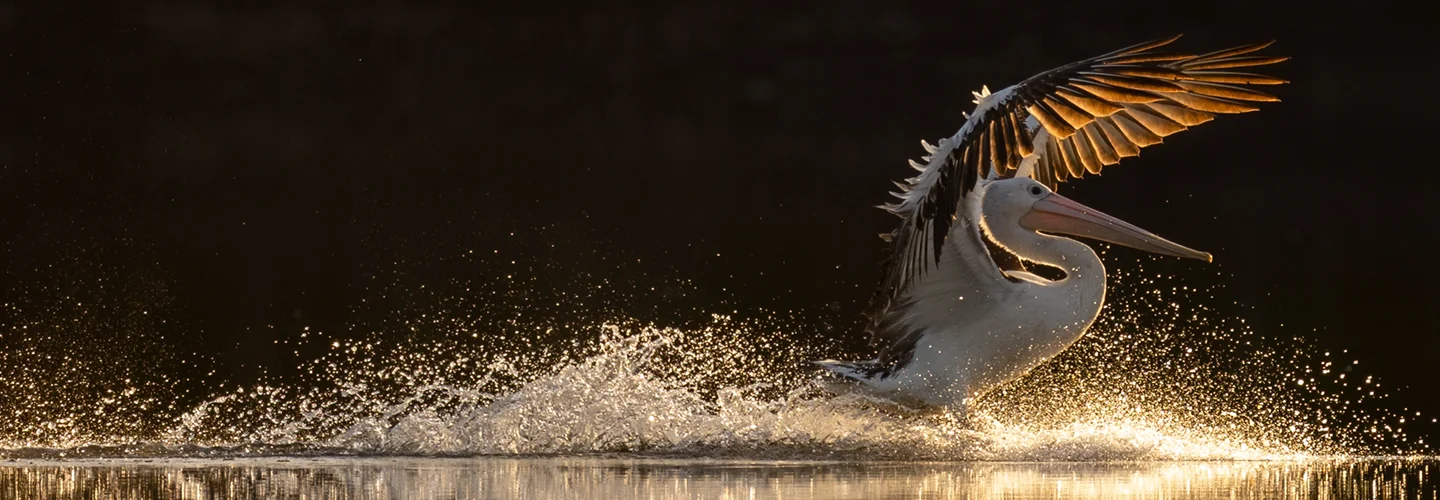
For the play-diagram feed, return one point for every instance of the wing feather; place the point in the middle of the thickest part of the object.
(1234, 77)
(1023, 144)
(1232, 52)
(1138, 48)
(1209, 104)
(1087, 101)
(1103, 150)
(1071, 159)
(1154, 122)
(1122, 144)
(1131, 82)
(1073, 116)
(1054, 161)
(1232, 62)
(1086, 152)
(1134, 131)
(1051, 120)
(1227, 91)
(1179, 114)
(1115, 94)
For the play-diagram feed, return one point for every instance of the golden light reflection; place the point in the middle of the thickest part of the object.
(659, 479)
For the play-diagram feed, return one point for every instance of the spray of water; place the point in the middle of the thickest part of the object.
(1162, 375)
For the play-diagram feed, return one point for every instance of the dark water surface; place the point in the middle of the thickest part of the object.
(593, 478)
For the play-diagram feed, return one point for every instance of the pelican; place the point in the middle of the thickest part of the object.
(957, 313)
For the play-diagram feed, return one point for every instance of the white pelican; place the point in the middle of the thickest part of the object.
(956, 313)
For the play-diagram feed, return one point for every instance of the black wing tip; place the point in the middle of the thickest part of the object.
(1162, 41)
(1142, 47)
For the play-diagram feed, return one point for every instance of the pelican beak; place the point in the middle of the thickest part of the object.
(1058, 214)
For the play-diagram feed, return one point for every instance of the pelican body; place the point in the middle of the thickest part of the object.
(957, 314)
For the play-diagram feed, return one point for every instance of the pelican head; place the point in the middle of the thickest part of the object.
(1017, 209)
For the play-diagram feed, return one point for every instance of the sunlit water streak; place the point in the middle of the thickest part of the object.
(1162, 376)
(660, 479)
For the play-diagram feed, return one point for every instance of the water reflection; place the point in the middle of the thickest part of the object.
(594, 478)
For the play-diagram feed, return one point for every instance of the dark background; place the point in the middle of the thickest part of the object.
(261, 158)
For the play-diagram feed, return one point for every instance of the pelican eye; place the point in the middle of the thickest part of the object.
(1036, 191)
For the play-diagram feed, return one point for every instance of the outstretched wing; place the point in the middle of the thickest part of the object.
(1062, 123)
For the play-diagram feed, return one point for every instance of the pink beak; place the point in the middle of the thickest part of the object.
(1058, 214)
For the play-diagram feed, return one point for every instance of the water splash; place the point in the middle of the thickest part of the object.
(630, 396)
(81, 335)
(644, 390)
(1165, 352)
(1162, 376)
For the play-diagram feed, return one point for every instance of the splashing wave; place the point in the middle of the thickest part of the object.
(649, 391)
(1152, 381)
(627, 398)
